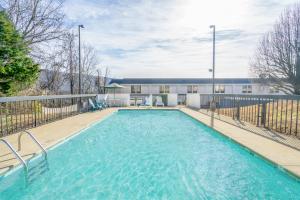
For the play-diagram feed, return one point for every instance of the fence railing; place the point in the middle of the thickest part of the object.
(280, 113)
(19, 113)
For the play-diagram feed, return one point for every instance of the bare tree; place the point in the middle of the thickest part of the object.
(99, 79)
(275, 60)
(37, 20)
(105, 79)
(61, 68)
(102, 80)
(89, 68)
(70, 54)
(52, 77)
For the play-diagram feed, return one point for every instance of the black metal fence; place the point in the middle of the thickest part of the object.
(280, 113)
(19, 113)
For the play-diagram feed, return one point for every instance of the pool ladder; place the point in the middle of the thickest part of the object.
(33, 139)
(14, 152)
(17, 155)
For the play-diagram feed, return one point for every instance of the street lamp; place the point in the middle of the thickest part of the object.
(214, 57)
(79, 58)
(213, 103)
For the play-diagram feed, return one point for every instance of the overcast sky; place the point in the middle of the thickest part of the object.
(171, 38)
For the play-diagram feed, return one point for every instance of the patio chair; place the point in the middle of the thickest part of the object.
(132, 101)
(139, 102)
(146, 102)
(93, 106)
(159, 101)
(102, 102)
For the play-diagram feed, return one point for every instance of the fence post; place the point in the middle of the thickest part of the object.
(61, 112)
(233, 110)
(79, 105)
(258, 112)
(238, 110)
(34, 110)
(263, 114)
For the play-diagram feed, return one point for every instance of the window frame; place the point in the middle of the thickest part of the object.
(195, 91)
(136, 89)
(247, 89)
(192, 89)
(164, 89)
(189, 89)
(220, 89)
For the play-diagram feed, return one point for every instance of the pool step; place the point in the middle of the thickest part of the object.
(34, 172)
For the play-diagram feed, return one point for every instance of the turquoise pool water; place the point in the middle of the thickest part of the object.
(150, 155)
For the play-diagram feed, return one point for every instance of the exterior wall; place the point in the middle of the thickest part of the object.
(205, 89)
(202, 89)
(193, 100)
(172, 99)
(173, 88)
(124, 99)
(154, 89)
(181, 89)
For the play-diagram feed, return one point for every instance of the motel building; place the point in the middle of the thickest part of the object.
(181, 91)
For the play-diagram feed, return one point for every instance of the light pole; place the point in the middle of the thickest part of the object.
(214, 57)
(79, 59)
(213, 103)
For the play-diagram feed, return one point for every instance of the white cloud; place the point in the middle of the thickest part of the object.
(172, 38)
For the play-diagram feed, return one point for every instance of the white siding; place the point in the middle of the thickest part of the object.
(181, 89)
(173, 89)
(205, 89)
(172, 99)
(202, 89)
(193, 100)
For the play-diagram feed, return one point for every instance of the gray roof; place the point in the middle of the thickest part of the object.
(183, 80)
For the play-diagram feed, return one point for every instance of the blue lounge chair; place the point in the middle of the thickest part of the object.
(93, 106)
(101, 102)
(146, 102)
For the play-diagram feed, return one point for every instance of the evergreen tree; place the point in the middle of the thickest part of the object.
(17, 70)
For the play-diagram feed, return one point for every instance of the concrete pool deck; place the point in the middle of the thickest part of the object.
(55, 132)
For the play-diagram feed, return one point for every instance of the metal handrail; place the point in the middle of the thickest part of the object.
(263, 96)
(45, 97)
(33, 138)
(15, 153)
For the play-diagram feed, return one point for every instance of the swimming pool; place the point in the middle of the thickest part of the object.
(150, 154)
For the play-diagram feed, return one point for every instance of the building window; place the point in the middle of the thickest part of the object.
(195, 88)
(135, 89)
(164, 89)
(220, 89)
(192, 88)
(247, 89)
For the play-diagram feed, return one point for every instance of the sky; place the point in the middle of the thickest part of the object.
(172, 38)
